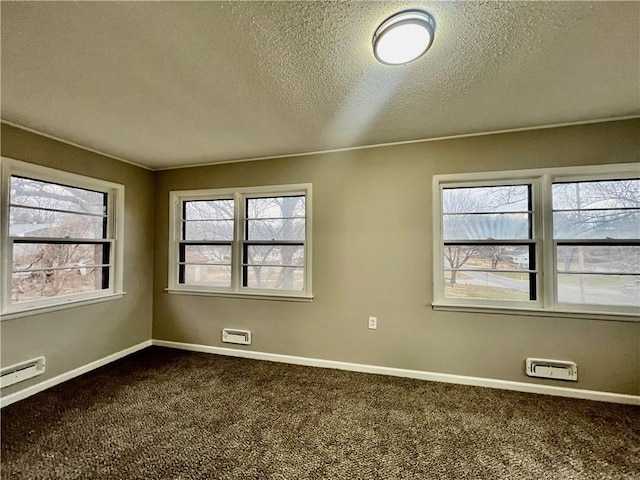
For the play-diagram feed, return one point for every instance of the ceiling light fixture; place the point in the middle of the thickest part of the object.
(403, 37)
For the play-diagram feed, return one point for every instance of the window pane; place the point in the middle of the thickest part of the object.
(598, 258)
(597, 195)
(276, 207)
(277, 278)
(276, 229)
(208, 275)
(27, 222)
(615, 290)
(52, 283)
(513, 198)
(208, 230)
(506, 226)
(220, 254)
(276, 218)
(209, 210)
(492, 257)
(488, 285)
(600, 209)
(36, 193)
(597, 224)
(208, 220)
(29, 256)
(275, 255)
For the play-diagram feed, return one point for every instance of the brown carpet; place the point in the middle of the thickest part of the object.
(168, 414)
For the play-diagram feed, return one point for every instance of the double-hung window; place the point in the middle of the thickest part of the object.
(60, 237)
(245, 241)
(489, 245)
(596, 227)
(558, 240)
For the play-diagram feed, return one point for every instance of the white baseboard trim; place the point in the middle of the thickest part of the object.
(418, 374)
(317, 362)
(39, 387)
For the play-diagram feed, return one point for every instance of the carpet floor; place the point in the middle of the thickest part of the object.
(169, 414)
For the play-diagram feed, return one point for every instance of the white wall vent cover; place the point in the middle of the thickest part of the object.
(21, 371)
(242, 337)
(554, 369)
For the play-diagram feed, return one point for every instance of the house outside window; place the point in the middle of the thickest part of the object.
(546, 240)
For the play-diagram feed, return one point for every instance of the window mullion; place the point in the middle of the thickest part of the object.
(491, 242)
(613, 242)
(239, 213)
(175, 237)
(61, 240)
(6, 245)
(547, 248)
(181, 262)
(438, 243)
(58, 210)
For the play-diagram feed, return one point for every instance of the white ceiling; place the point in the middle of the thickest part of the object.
(180, 83)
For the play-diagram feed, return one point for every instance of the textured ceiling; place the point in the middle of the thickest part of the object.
(180, 83)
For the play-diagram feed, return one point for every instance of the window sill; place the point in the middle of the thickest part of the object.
(617, 317)
(253, 296)
(27, 312)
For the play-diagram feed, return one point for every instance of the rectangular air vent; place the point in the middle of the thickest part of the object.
(242, 337)
(553, 369)
(21, 371)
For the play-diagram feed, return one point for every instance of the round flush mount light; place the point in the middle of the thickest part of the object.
(403, 37)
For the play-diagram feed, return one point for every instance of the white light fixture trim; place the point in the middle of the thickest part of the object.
(403, 37)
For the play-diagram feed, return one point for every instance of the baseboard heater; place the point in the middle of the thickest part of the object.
(553, 369)
(21, 371)
(242, 337)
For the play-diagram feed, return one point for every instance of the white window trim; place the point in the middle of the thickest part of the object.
(536, 240)
(542, 180)
(69, 303)
(238, 194)
(115, 214)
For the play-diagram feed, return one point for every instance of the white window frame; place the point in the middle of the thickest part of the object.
(542, 180)
(239, 195)
(115, 235)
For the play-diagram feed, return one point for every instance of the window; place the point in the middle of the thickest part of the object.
(488, 244)
(245, 241)
(558, 240)
(596, 226)
(59, 242)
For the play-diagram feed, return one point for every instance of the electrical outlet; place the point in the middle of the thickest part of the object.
(373, 323)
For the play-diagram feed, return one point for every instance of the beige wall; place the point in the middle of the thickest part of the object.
(368, 203)
(74, 337)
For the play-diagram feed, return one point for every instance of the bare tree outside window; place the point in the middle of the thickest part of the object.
(278, 224)
(57, 234)
(271, 248)
(597, 227)
(207, 228)
(489, 246)
(481, 230)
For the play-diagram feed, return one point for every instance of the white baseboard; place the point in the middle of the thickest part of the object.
(39, 387)
(418, 374)
(317, 362)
